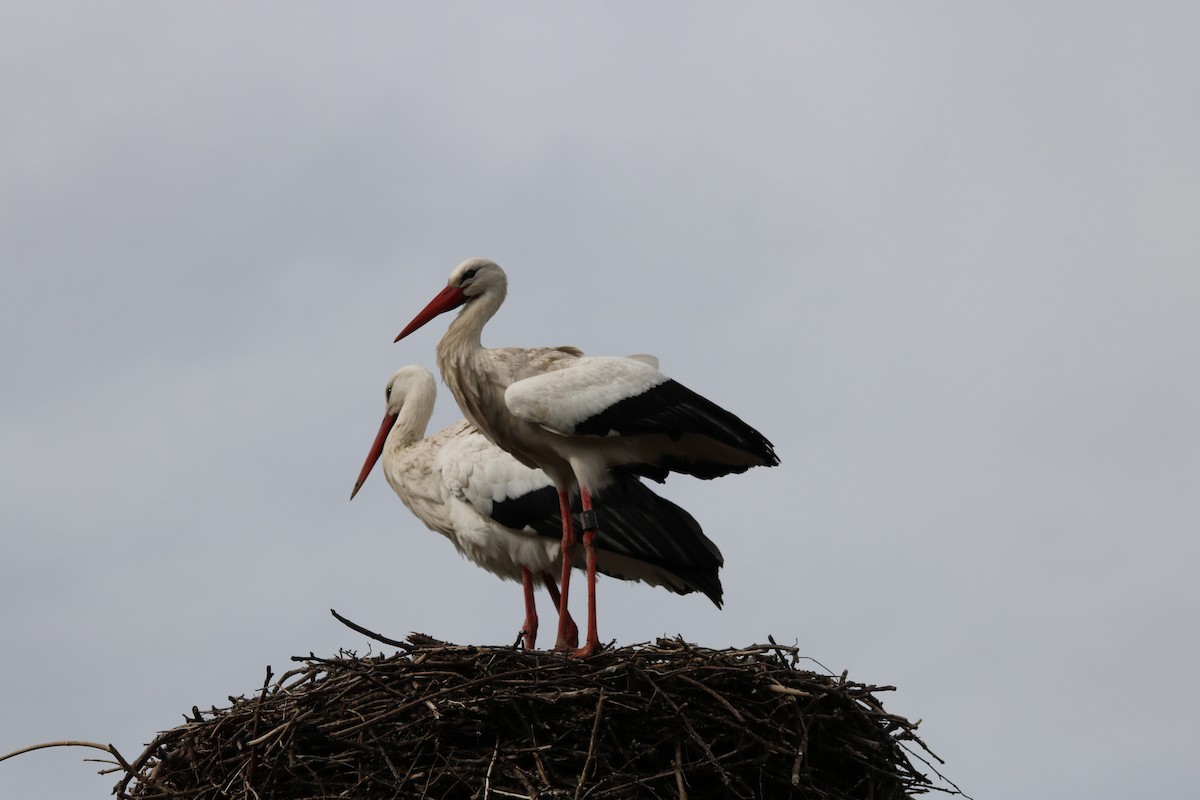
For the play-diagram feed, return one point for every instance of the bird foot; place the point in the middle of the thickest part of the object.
(569, 638)
(569, 644)
(572, 637)
(590, 648)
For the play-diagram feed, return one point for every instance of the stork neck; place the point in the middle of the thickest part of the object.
(464, 337)
(414, 416)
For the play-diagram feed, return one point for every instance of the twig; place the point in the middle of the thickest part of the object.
(591, 744)
(108, 748)
(683, 795)
(252, 760)
(370, 634)
(487, 779)
(728, 707)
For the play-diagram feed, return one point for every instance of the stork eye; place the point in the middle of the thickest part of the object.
(468, 275)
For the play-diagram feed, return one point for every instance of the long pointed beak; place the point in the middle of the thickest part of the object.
(376, 451)
(447, 299)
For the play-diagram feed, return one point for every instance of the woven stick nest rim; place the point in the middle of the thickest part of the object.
(663, 719)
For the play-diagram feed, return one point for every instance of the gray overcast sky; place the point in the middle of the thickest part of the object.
(944, 255)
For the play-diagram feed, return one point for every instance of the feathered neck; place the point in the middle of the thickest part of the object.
(413, 418)
(464, 337)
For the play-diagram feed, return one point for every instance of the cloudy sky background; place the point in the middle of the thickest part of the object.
(944, 256)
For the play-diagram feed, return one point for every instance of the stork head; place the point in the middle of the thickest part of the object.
(473, 278)
(413, 385)
(476, 276)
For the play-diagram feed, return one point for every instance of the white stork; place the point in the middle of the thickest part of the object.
(506, 518)
(582, 420)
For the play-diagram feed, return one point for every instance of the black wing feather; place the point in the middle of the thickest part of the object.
(635, 523)
(674, 409)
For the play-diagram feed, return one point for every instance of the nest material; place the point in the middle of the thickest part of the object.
(668, 720)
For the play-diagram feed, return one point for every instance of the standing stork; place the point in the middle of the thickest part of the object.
(505, 516)
(583, 420)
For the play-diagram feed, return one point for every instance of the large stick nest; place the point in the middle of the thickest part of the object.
(668, 720)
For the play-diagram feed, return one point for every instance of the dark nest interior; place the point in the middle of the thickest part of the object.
(436, 720)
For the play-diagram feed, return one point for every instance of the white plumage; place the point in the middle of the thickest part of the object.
(505, 516)
(560, 399)
(579, 418)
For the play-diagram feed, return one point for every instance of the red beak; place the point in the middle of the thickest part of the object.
(376, 451)
(448, 299)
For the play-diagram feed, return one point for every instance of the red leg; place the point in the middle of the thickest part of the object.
(568, 546)
(552, 589)
(589, 547)
(531, 619)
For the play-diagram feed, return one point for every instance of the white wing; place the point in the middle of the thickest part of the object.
(563, 399)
